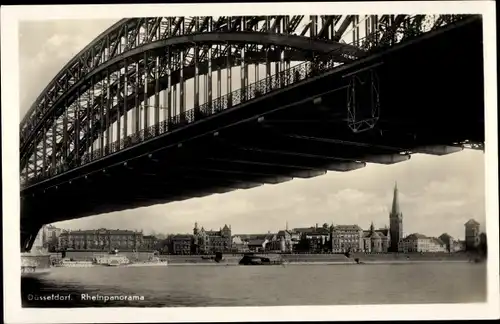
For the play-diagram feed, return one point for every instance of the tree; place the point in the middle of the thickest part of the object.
(325, 226)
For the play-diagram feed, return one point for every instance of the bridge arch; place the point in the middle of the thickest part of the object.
(135, 59)
(50, 119)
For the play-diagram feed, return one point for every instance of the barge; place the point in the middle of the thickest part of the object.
(251, 259)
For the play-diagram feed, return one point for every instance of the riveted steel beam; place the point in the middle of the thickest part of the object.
(438, 149)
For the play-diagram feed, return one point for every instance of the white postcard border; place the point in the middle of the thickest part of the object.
(10, 16)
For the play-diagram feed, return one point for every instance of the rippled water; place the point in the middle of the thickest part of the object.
(264, 285)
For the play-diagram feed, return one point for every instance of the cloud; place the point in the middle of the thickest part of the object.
(45, 47)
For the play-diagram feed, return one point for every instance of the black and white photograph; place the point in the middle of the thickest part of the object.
(188, 158)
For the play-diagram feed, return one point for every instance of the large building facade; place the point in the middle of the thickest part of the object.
(101, 240)
(51, 237)
(47, 239)
(396, 222)
(347, 238)
(420, 243)
(182, 244)
(206, 242)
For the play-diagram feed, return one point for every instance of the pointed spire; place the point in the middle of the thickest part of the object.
(286, 226)
(395, 201)
(372, 228)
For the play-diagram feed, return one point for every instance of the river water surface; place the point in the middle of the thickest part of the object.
(261, 285)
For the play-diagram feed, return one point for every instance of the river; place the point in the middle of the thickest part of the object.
(198, 285)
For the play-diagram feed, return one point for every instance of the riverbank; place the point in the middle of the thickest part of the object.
(363, 258)
(325, 263)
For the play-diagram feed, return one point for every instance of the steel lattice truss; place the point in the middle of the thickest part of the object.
(130, 83)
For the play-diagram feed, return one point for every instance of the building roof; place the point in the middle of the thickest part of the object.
(376, 235)
(347, 228)
(212, 233)
(383, 231)
(255, 242)
(437, 241)
(472, 222)
(102, 230)
(415, 236)
(283, 233)
(318, 232)
(182, 237)
(247, 237)
(304, 229)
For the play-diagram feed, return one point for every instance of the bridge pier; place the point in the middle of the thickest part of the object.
(29, 231)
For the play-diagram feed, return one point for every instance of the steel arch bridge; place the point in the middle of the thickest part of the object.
(129, 84)
(103, 132)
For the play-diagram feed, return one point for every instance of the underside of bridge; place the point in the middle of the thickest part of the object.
(428, 93)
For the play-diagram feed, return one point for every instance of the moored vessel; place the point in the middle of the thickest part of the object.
(152, 261)
(160, 263)
(112, 259)
(251, 259)
(69, 263)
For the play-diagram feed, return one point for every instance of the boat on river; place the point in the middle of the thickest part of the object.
(114, 259)
(251, 259)
(70, 263)
(111, 259)
(149, 263)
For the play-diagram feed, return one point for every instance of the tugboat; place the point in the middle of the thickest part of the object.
(251, 259)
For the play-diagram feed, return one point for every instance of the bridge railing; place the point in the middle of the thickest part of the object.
(376, 41)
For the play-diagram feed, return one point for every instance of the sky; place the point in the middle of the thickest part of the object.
(437, 194)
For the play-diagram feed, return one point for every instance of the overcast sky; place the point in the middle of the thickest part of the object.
(437, 194)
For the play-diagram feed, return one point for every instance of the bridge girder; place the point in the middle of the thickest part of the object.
(183, 54)
(68, 114)
(131, 34)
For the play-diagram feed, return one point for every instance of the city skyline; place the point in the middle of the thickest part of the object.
(437, 194)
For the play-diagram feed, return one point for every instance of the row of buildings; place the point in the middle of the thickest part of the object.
(326, 238)
(55, 239)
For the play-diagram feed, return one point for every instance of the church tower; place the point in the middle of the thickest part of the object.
(396, 222)
(195, 229)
